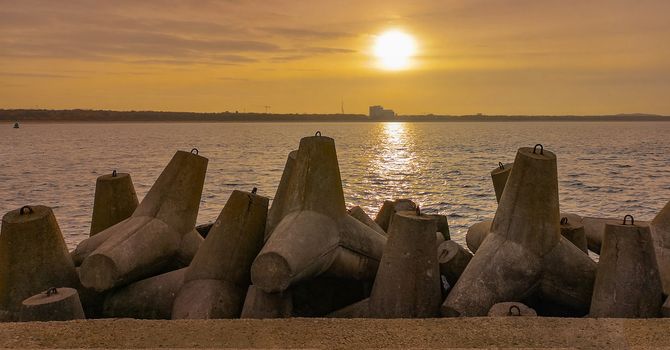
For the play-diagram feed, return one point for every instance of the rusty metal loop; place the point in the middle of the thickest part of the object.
(564, 220)
(541, 149)
(51, 291)
(254, 190)
(632, 220)
(114, 173)
(418, 210)
(518, 311)
(318, 133)
(501, 165)
(22, 211)
(194, 151)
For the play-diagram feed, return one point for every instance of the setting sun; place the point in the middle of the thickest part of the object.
(394, 49)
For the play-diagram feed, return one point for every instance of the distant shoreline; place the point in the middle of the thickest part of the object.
(77, 115)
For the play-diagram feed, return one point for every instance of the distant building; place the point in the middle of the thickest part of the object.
(378, 112)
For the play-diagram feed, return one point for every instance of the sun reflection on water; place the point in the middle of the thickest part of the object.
(395, 158)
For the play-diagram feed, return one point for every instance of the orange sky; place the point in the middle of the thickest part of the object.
(475, 56)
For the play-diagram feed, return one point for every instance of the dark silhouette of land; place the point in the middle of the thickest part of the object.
(81, 115)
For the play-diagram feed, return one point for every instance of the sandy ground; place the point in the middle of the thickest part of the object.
(341, 333)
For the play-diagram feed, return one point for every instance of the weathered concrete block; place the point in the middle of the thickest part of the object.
(476, 235)
(216, 281)
(511, 309)
(660, 233)
(453, 259)
(54, 304)
(33, 257)
(499, 177)
(151, 298)
(408, 280)
(144, 244)
(524, 252)
(280, 203)
(359, 214)
(628, 284)
(574, 232)
(115, 200)
(259, 304)
(316, 235)
(594, 228)
(390, 208)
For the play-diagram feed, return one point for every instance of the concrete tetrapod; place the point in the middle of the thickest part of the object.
(145, 243)
(525, 253)
(258, 304)
(453, 259)
(627, 284)
(408, 280)
(476, 235)
(574, 232)
(316, 235)
(151, 298)
(33, 257)
(660, 233)
(216, 282)
(359, 214)
(389, 208)
(594, 228)
(54, 304)
(115, 200)
(499, 177)
(280, 202)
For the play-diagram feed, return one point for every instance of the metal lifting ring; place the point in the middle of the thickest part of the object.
(51, 291)
(23, 209)
(564, 220)
(501, 165)
(194, 151)
(418, 210)
(518, 311)
(114, 173)
(632, 220)
(541, 149)
(254, 190)
(318, 133)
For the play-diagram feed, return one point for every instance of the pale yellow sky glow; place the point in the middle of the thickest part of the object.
(492, 57)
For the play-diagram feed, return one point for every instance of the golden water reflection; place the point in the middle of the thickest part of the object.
(395, 157)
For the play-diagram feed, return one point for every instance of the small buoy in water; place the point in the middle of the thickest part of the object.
(16, 125)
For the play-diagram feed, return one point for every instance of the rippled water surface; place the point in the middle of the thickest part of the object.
(605, 168)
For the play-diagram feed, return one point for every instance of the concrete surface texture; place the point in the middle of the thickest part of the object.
(487, 332)
(115, 200)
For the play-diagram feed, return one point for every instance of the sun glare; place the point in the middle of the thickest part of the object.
(394, 50)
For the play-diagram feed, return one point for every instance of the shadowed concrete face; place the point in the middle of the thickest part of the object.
(499, 177)
(279, 203)
(145, 243)
(359, 214)
(476, 235)
(151, 298)
(115, 201)
(453, 259)
(525, 253)
(54, 304)
(628, 284)
(408, 280)
(389, 208)
(660, 233)
(316, 235)
(33, 257)
(216, 282)
(259, 304)
(574, 232)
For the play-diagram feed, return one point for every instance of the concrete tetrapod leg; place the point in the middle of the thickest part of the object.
(145, 243)
(453, 259)
(389, 208)
(442, 225)
(115, 201)
(510, 309)
(660, 233)
(317, 235)
(359, 214)
(574, 232)
(594, 228)
(54, 304)
(33, 257)
(476, 235)
(499, 176)
(152, 298)
(408, 280)
(525, 253)
(216, 282)
(259, 304)
(628, 284)
(280, 202)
